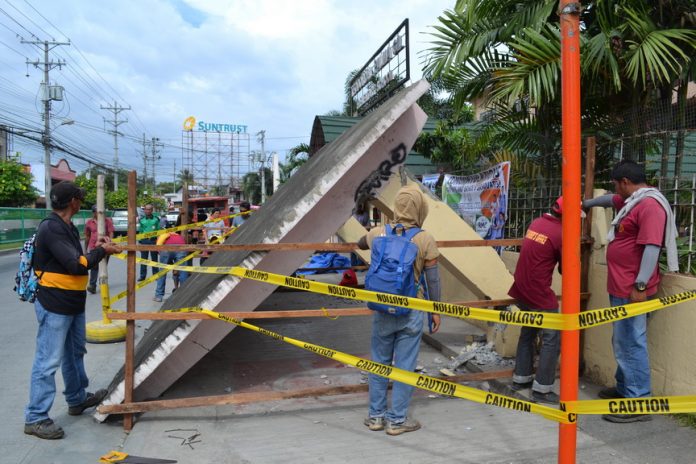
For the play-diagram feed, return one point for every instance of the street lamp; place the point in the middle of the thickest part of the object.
(46, 139)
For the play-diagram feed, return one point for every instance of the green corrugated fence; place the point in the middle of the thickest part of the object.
(18, 224)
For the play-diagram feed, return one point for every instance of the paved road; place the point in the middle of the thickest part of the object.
(17, 338)
(324, 430)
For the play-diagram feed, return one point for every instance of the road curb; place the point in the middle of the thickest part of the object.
(10, 251)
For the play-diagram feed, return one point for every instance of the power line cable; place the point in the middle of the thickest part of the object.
(30, 20)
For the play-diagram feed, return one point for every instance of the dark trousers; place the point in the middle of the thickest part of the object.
(94, 274)
(548, 357)
(153, 256)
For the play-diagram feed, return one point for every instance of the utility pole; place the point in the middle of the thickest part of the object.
(46, 139)
(144, 160)
(116, 109)
(262, 139)
(155, 157)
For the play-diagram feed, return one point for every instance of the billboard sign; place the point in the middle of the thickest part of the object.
(384, 73)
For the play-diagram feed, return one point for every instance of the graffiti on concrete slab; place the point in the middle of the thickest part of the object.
(367, 188)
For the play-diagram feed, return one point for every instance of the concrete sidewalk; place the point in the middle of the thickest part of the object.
(310, 430)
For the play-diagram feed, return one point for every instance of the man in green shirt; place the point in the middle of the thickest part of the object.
(148, 223)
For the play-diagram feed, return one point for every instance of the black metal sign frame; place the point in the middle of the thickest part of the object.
(384, 73)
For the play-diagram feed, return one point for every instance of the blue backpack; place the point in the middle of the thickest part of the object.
(391, 267)
(26, 281)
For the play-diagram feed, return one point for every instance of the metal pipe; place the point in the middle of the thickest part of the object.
(570, 339)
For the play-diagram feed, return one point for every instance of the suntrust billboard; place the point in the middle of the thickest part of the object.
(190, 124)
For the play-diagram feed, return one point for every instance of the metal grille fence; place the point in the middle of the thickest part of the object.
(526, 205)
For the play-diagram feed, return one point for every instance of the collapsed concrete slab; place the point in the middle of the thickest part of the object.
(310, 207)
(479, 269)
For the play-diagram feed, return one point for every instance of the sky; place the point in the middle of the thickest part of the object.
(268, 65)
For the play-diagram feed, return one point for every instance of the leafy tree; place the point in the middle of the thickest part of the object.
(219, 190)
(90, 186)
(251, 185)
(167, 187)
(113, 199)
(459, 147)
(120, 200)
(185, 176)
(506, 54)
(296, 157)
(15, 185)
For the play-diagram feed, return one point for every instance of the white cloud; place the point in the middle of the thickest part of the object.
(268, 64)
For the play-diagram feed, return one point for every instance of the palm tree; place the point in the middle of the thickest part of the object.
(296, 157)
(251, 185)
(507, 53)
(185, 176)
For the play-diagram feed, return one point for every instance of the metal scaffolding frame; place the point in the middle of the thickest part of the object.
(216, 158)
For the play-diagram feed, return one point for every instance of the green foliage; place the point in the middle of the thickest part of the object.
(185, 176)
(117, 199)
(114, 199)
(251, 185)
(296, 157)
(505, 54)
(90, 186)
(457, 146)
(15, 185)
(167, 187)
(686, 419)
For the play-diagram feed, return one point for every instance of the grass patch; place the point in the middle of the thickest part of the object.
(686, 419)
(11, 246)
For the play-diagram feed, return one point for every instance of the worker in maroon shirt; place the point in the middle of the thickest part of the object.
(541, 252)
(642, 225)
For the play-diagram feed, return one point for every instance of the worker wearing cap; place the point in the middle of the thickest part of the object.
(62, 269)
(541, 252)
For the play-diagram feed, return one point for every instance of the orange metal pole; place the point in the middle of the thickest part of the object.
(570, 339)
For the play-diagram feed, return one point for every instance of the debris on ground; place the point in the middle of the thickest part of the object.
(484, 354)
(188, 441)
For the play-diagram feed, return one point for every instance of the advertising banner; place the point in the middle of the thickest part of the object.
(480, 199)
(430, 181)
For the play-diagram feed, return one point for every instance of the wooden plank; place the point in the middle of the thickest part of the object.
(586, 246)
(319, 246)
(257, 397)
(129, 367)
(334, 312)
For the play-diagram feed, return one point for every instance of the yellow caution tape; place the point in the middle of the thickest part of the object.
(567, 413)
(646, 405)
(536, 319)
(152, 278)
(106, 302)
(601, 316)
(424, 382)
(155, 276)
(157, 232)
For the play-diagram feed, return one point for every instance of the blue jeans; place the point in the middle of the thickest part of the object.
(144, 255)
(394, 338)
(60, 341)
(630, 343)
(548, 356)
(170, 257)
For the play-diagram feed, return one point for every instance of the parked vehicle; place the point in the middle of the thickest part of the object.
(120, 220)
(172, 216)
(199, 204)
(200, 207)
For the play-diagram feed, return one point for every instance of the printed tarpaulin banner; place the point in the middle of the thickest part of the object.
(430, 181)
(480, 199)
